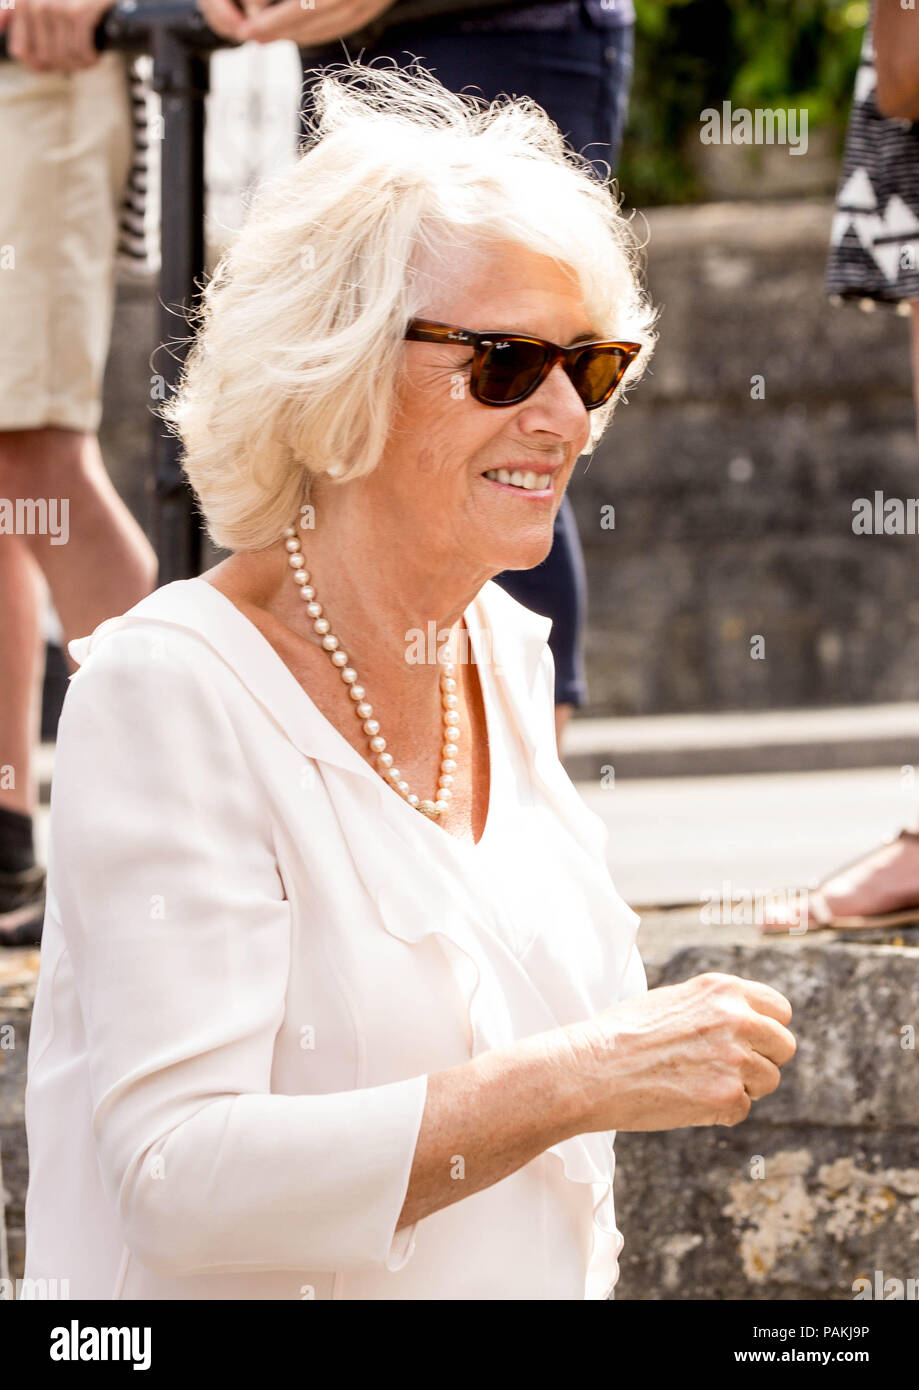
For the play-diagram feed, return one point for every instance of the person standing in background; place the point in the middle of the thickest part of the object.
(574, 58)
(65, 168)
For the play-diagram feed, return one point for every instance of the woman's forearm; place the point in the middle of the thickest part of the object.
(695, 1053)
(486, 1118)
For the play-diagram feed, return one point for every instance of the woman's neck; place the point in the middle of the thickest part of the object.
(392, 641)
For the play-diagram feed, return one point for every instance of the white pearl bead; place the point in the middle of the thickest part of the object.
(450, 750)
(302, 576)
(385, 760)
(445, 793)
(330, 642)
(356, 692)
(321, 625)
(364, 709)
(349, 675)
(452, 733)
(340, 658)
(450, 702)
(448, 765)
(378, 743)
(449, 684)
(314, 610)
(371, 726)
(292, 546)
(394, 775)
(307, 593)
(289, 531)
(441, 806)
(445, 779)
(403, 787)
(412, 798)
(296, 561)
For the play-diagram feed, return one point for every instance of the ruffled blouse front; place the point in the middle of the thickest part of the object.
(254, 955)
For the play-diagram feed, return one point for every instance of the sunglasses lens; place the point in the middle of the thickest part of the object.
(509, 370)
(597, 372)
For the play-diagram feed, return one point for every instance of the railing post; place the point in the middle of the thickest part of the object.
(181, 77)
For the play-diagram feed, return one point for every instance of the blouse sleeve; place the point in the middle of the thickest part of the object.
(163, 874)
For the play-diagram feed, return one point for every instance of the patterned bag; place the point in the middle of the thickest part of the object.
(874, 242)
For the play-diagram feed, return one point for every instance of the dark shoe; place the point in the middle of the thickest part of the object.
(22, 906)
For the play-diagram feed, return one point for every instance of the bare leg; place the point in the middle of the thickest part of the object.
(562, 715)
(22, 600)
(106, 566)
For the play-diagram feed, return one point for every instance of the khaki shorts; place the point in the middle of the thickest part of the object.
(65, 158)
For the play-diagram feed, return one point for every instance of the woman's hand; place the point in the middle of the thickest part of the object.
(696, 1053)
(53, 35)
(307, 26)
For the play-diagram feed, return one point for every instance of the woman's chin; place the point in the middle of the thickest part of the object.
(526, 554)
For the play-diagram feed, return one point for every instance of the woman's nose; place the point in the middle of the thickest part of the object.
(559, 395)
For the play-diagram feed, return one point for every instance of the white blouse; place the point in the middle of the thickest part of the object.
(254, 954)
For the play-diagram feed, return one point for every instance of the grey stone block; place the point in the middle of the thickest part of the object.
(733, 515)
(820, 1185)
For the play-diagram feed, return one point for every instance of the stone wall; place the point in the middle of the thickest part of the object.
(819, 1186)
(733, 515)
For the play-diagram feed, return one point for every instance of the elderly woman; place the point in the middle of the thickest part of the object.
(337, 998)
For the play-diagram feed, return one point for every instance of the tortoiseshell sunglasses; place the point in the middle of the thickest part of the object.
(508, 367)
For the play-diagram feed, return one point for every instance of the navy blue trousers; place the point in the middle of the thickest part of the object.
(581, 77)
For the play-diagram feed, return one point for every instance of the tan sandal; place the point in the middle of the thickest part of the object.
(819, 913)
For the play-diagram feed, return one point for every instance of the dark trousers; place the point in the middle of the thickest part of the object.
(581, 78)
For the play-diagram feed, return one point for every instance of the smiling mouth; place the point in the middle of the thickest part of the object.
(524, 481)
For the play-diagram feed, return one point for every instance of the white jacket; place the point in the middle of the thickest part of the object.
(254, 954)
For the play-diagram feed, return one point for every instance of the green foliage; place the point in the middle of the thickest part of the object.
(691, 54)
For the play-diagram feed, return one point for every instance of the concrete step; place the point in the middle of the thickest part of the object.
(698, 745)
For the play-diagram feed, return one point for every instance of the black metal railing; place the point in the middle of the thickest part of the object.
(175, 35)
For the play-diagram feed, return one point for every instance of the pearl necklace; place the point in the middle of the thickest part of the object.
(364, 710)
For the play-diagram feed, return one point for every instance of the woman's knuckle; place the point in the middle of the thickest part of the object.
(714, 979)
(741, 1107)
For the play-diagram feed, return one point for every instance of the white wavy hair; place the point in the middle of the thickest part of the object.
(298, 340)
